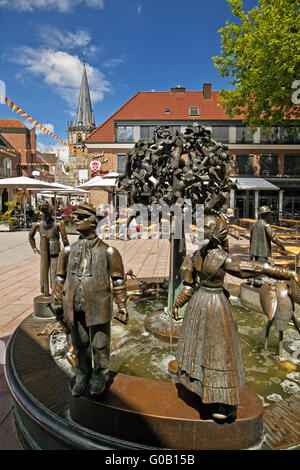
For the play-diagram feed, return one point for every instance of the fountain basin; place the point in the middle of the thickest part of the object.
(48, 417)
(164, 415)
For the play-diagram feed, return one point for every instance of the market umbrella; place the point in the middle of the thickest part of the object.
(63, 190)
(105, 182)
(24, 182)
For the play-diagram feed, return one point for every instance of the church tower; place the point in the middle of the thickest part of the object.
(83, 126)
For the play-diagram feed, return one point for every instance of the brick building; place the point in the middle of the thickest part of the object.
(9, 167)
(23, 159)
(22, 139)
(44, 166)
(267, 168)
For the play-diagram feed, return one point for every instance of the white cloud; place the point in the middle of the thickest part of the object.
(62, 72)
(57, 39)
(60, 5)
(111, 63)
(38, 131)
(48, 126)
(61, 152)
(139, 9)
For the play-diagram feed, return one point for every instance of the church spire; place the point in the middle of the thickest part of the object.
(85, 115)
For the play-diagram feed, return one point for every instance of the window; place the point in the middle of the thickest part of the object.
(244, 165)
(281, 135)
(243, 136)
(7, 167)
(194, 111)
(147, 132)
(268, 165)
(122, 160)
(220, 133)
(174, 129)
(292, 165)
(287, 136)
(124, 134)
(272, 138)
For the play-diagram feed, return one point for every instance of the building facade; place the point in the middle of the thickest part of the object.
(19, 157)
(9, 167)
(22, 139)
(266, 167)
(78, 132)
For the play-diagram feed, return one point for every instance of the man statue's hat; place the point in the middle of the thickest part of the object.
(85, 209)
(264, 210)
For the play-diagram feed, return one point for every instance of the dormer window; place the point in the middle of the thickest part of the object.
(194, 111)
(167, 110)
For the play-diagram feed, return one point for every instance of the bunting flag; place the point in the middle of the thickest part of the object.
(81, 165)
(46, 131)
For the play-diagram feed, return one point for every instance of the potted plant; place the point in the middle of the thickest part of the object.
(7, 220)
(68, 218)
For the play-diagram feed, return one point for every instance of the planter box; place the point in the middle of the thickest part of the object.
(71, 230)
(7, 227)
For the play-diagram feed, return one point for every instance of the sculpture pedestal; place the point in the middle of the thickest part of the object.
(166, 415)
(41, 306)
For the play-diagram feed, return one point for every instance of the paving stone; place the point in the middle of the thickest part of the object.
(9, 439)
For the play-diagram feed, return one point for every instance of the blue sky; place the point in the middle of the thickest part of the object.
(129, 46)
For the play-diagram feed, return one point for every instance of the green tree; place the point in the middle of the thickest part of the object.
(260, 53)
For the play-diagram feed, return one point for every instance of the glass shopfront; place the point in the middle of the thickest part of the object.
(244, 204)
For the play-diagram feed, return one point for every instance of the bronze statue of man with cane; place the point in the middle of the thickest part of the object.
(83, 300)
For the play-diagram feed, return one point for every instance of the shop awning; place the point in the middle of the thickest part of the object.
(254, 184)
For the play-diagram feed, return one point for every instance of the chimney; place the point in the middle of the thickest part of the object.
(207, 91)
(178, 89)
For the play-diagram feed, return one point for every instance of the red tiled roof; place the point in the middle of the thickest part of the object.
(50, 158)
(151, 105)
(11, 123)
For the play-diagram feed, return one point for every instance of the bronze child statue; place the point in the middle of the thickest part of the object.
(50, 233)
(209, 357)
(82, 294)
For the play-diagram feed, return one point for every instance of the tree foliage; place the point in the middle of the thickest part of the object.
(260, 53)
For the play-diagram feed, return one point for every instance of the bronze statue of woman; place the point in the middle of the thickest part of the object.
(209, 357)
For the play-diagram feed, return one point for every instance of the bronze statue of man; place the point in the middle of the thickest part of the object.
(82, 293)
(50, 233)
(261, 236)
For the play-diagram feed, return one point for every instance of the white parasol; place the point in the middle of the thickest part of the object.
(24, 182)
(106, 182)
